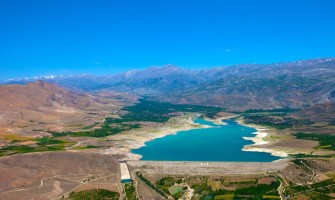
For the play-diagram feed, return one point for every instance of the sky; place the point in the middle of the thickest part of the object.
(62, 37)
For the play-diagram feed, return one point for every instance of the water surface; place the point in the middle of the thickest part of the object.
(218, 143)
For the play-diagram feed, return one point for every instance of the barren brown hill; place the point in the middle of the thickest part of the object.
(39, 94)
(25, 109)
(54, 174)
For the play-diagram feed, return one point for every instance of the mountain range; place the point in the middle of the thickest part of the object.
(298, 84)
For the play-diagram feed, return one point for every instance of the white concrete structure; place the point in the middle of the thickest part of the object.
(124, 171)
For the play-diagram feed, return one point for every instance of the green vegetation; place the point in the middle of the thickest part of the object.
(273, 112)
(48, 141)
(165, 183)
(147, 111)
(177, 191)
(224, 197)
(247, 182)
(16, 138)
(298, 162)
(9, 150)
(42, 144)
(161, 112)
(97, 194)
(314, 191)
(277, 122)
(276, 118)
(91, 146)
(108, 128)
(203, 188)
(326, 141)
(301, 155)
(85, 147)
(239, 189)
(146, 181)
(130, 191)
(168, 185)
(259, 190)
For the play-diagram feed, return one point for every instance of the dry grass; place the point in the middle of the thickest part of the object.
(15, 137)
(215, 185)
(225, 197)
(330, 174)
(297, 144)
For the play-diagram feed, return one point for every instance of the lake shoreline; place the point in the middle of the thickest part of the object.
(188, 148)
(134, 141)
(259, 141)
(137, 138)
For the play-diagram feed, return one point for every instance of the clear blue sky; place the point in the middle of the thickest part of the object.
(39, 37)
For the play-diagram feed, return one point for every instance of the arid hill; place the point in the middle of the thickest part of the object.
(39, 105)
(54, 174)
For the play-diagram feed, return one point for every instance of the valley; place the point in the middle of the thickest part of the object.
(61, 141)
(167, 100)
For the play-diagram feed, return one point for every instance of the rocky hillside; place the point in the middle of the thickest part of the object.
(41, 106)
(321, 113)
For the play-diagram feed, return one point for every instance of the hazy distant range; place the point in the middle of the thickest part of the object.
(296, 84)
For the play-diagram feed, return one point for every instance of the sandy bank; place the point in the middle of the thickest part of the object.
(260, 140)
(219, 120)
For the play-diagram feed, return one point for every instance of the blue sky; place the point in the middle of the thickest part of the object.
(40, 37)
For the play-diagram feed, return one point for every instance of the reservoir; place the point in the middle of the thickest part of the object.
(217, 143)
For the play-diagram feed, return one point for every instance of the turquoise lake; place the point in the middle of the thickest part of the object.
(218, 143)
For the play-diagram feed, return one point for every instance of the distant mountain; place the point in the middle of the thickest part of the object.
(256, 86)
(294, 85)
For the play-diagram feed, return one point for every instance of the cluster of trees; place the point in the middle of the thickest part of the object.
(278, 123)
(130, 191)
(157, 111)
(94, 194)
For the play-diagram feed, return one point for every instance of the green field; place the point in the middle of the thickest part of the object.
(170, 186)
(98, 194)
(318, 190)
(42, 144)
